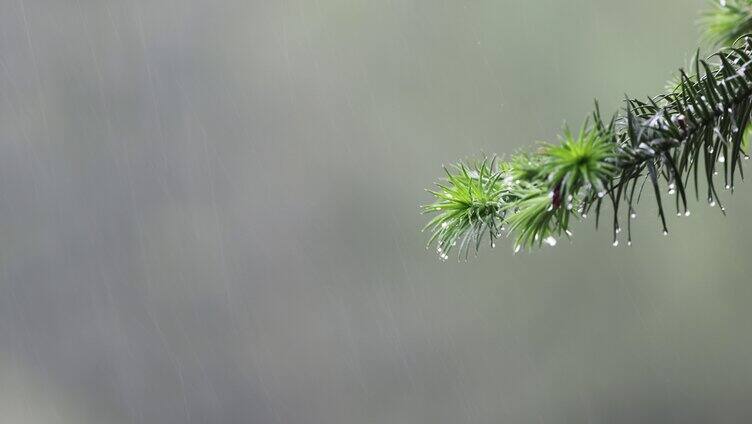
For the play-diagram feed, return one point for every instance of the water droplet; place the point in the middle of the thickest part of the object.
(665, 233)
(687, 213)
(569, 198)
(550, 241)
(629, 243)
(601, 194)
(723, 3)
(517, 248)
(727, 187)
(584, 215)
(550, 208)
(618, 230)
(615, 243)
(671, 191)
(678, 214)
(712, 203)
(746, 157)
(723, 209)
(438, 249)
(569, 233)
(444, 224)
(493, 245)
(569, 207)
(633, 215)
(721, 158)
(711, 149)
(671, 186)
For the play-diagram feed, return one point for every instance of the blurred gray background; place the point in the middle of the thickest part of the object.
(208, 214)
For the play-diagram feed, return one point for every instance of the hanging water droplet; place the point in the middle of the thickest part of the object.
(629, 243)
(712, 203)
(633, 215)
(569, 233)
(569, 198)
(517, 248)
(723, 209)
(584, 215)
(721, 158)
(617, 230)
(665, 233)
(601, 194)
(444, 224)
(493, 245)
(550, 208)
(746, 157)
(671, 191)
(678, 214)
(710, 149)
(438, 249)
(727, 187)
(550, 241)
(615, 243)
(687, 213)
(570, 206)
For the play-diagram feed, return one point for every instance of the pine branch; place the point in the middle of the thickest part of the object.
(697, 129)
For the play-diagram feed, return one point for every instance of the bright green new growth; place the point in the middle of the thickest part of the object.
(727, 20)
(702, 120)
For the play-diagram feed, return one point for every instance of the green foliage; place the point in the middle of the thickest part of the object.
(727, 21)
(696, 132)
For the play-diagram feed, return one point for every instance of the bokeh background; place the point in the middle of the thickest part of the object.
(208, 214)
